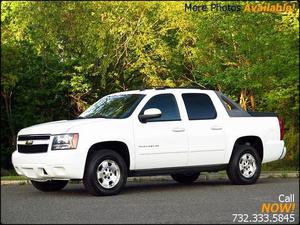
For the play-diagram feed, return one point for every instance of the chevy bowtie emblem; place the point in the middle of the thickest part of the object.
(29, 142)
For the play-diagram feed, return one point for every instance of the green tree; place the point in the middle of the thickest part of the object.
(57, 58)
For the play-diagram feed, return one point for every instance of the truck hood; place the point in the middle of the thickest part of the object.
(59, 127)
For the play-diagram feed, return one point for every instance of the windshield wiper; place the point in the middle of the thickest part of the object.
(100, 116)
(93, 117)
(81, 117)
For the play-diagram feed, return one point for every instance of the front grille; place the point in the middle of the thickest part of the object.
(32, 148)
(33, 137)
(34, 143)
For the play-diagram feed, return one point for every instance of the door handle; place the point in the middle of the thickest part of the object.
(216, 128)
(178, 129)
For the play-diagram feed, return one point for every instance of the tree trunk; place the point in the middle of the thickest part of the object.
(252, 101)
(7, 101)
(243, 99)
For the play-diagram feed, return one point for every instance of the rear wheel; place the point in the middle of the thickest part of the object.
(244, 166)
(49, 185)
(106, 173)
(185, 178)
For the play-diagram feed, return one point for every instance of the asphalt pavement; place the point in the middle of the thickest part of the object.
(206, 201)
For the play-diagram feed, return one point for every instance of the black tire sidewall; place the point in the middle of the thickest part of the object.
(50, 185)
(185, 178)
(236, 175)
(90, 177)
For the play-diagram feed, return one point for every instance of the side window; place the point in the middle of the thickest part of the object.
(167, 104)
(199, 106)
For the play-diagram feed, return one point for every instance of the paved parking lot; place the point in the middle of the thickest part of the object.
(212, 201)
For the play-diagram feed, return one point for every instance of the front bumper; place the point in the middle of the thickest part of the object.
(60, 164)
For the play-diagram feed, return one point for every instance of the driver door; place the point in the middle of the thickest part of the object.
(161, 142)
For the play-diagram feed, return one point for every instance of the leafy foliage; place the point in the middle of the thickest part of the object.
(58, 58)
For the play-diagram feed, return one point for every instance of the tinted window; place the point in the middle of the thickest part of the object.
(199, 106)
(167, 104)
(113, 106)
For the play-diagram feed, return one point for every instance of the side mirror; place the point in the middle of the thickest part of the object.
(150, 114)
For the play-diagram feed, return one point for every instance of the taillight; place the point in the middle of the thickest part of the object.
(281, 125)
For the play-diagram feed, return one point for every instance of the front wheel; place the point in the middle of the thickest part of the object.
(244, 166)
(106, 173)
(185, 178)
(49, 185)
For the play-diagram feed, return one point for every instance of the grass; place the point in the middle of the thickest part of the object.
(8, 172)
(280, 165)
(282, 174)
(13, 178)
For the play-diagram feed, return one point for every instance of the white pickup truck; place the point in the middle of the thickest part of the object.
(180, 132)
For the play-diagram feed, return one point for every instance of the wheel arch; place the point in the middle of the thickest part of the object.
(253, 141)
(117, 146)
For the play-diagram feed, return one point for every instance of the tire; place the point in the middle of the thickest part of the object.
(50, 185)
(185, 178)
(244, 166)
(112, 171)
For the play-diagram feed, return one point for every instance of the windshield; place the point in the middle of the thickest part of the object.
(113, 106)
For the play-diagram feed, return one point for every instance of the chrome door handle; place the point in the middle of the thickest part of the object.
(178, 129)
(216, 128)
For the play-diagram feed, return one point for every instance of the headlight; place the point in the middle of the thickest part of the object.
(65, 141)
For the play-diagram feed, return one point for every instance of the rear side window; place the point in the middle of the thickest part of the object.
(167, 104)
(199, 106)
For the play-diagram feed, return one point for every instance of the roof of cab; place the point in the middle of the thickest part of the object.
(162, 89)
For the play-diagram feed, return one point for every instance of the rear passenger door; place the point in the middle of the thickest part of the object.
(205, 130)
